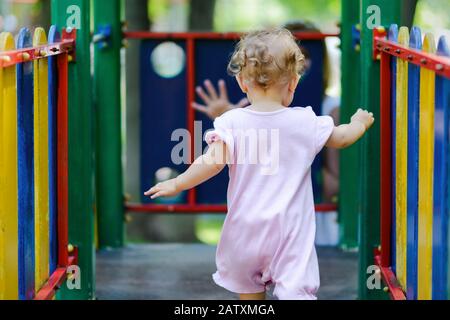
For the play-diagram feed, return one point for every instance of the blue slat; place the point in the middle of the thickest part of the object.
(53, 36)
(413, 167)
(447, 191)
(440, 214)
(171, 93)
(25, 170)
(393, 36)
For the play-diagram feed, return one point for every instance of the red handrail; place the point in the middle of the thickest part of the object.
(197, 208)
(214, 35)
(440, 65)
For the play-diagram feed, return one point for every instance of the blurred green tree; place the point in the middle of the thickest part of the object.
(201, 15)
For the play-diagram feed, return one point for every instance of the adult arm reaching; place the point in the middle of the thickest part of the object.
(215, 103)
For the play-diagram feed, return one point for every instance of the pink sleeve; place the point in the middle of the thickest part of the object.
(324, 129)
(222, 132)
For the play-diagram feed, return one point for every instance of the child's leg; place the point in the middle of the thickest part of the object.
(253, 296)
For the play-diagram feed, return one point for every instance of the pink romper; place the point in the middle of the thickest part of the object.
(268, 234)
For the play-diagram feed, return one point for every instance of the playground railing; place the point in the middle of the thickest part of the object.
(415, 96)
(34, 249)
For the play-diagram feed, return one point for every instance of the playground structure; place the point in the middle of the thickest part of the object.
(414, 106)
(401, 183)
(34, 237)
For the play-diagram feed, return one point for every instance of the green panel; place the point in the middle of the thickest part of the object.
(108, 125)
(349, 158)
(369, 227)
(81, 149)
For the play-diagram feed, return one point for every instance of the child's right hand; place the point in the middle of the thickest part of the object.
(365, 117)
(345, 135)
(163, 189)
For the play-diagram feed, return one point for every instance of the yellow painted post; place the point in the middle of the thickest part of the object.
(41, 173)
(401, 146)
(426, 169)
(9, 259)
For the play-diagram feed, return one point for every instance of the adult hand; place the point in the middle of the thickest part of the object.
(215, 104)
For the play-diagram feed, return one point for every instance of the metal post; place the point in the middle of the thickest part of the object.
(349, 158)
(373, 13)
(109, 180)
(75, 14)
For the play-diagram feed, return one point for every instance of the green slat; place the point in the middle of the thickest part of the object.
(349, 158)
(369, 225)
(108, 127)
(81, 145)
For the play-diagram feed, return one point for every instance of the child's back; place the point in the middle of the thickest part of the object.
(270, 200)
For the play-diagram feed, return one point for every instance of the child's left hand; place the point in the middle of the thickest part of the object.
(163, 189)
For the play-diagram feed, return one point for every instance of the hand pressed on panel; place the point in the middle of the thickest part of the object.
(215, 104)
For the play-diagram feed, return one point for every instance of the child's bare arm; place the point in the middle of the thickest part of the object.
(347, 134)
(202, 169)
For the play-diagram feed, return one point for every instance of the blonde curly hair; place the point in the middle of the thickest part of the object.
(267, 57)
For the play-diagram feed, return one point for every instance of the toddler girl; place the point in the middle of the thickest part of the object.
(268, 233)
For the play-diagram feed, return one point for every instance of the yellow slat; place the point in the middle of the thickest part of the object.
(401, 147)
(426, 168)
(41, 165)
(9, 259)
(2, 209)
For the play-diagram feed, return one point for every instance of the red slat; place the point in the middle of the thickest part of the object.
(190, 52)
(385, 161)
(62, 162)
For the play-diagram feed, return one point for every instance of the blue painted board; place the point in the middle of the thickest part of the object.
(413, 168)
(163, 110)
(25, 118)
(440, 205)
(393, 36)
(53, 36)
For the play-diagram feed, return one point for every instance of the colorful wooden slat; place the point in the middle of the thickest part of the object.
(412, 164)
(401, 145)
(426, 167)
(446, 92)
(9, 259)
(385, 161)
(446, 102)
(393, 36)
(440, 208)
(2, 174)
(53, 37)
(63, 159)
(41, 164)
(25, 119)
